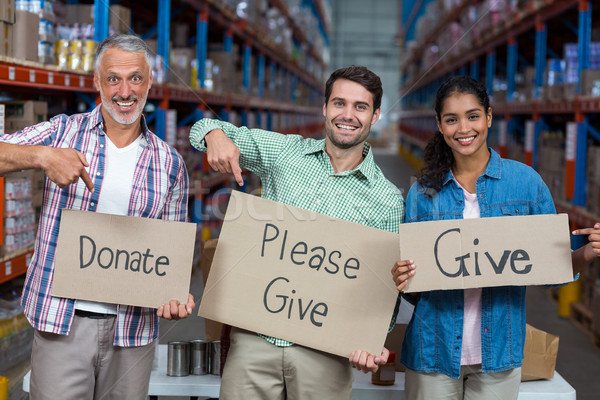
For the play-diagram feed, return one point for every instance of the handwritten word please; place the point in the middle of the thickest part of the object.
(298, 253)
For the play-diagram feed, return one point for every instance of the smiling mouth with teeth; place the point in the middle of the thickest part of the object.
(123, 104)
(466, 139)
(348, 127)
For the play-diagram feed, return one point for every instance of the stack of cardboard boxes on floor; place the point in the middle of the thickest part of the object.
(551, 162)
(22, 192)
(593, 181)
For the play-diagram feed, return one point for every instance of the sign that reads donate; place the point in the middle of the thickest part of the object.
(123, 260)
(304, 277)
(486, 252)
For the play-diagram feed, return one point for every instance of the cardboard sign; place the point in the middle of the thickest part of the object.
(485, 252)
(307, 278)
(123, 260)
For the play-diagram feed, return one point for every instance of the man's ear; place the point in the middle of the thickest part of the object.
(375, 117)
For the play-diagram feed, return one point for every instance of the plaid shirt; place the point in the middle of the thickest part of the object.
(297, 171)
(160, 190)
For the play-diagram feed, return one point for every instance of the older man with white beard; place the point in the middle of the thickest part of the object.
(104, 161)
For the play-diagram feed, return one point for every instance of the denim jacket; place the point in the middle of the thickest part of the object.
(433, 339)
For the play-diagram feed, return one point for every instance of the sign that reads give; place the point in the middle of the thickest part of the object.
(123, 260)
(485, 252)
(314, 280)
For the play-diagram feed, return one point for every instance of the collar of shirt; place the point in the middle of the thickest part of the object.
(366, 168)
(493, 169)
(97, 121)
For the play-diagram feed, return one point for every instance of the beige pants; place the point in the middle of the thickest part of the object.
(472, 385)
(85, 364)
(256, 369)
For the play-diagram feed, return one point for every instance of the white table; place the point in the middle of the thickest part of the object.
(362, 389)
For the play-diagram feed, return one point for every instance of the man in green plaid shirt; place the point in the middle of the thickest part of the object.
(335, 176)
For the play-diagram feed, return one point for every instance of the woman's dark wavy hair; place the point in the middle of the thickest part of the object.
(438, 158)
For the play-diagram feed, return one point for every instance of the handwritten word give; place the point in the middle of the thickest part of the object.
(497, 265)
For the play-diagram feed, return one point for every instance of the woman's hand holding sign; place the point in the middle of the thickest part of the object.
(401, 271)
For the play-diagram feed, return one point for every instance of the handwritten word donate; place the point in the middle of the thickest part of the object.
(108, 258)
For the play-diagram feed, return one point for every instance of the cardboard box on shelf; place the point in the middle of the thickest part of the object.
(593, 164)
(593, 197)
(119, 16)
(7, 11)
(555, 92)
(180, 66)
(589, 79)
(6, 39)
(2, 116)
(551, 159)
(596, 309)
(223, 71)
(20, 114)
(25, 36)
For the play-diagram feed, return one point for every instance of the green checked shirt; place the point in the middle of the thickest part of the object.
(297, 171)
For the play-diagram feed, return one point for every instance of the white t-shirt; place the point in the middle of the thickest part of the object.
(471, 342)
(115, 193)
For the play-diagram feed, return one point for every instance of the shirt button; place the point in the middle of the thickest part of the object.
(457, 348)
(101, 146)
(458, 337)
(97, 173)
(92, 204)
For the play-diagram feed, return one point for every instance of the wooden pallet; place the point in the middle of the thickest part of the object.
(581, 317)
(552, 293)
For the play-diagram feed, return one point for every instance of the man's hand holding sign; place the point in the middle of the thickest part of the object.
(118, 253)
(299, 282)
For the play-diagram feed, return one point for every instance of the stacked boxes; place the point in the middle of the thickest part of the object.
(593, 180)
(118, 18)
(21, 114)
(7, 20)
(19, 214)
(26, 32)
(551, 163)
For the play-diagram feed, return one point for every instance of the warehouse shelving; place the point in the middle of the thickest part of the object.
(527, 37)
(208, 20)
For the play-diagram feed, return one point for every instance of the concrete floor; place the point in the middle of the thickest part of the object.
(578, 359)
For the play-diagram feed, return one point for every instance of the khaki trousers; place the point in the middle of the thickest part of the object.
(472, 385)
(85, 365)
(256, 369)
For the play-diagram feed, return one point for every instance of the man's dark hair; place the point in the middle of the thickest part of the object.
(361, 75)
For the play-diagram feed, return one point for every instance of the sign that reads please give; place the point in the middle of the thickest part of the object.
(123, 260)
(485, 252)
(304, 277)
